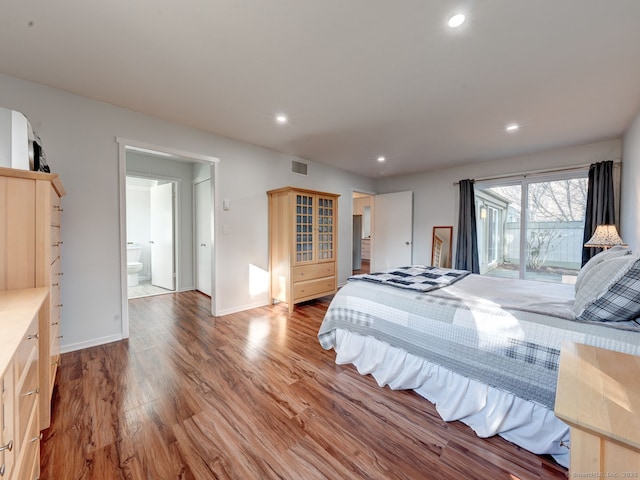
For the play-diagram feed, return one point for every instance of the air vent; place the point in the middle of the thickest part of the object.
(298, 167)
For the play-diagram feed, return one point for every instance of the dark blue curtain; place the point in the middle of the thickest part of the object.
(600, 204)
(467, 244)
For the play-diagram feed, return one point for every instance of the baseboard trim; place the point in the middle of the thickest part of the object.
(229, 311)
(94, 342)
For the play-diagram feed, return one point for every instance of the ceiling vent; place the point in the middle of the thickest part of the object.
(298, 167)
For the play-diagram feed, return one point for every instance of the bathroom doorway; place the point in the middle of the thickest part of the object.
(151, 226)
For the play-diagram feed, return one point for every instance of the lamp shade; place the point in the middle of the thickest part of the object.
(605, 236)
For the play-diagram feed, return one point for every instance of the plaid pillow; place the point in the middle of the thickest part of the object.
(621, 301)
(612, 252)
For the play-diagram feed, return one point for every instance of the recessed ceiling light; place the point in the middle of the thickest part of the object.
(512, 127)
(281, 119)
(381, 159)
(456, 20)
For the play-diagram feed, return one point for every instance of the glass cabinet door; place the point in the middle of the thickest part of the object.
(325, 228)
(304, 228)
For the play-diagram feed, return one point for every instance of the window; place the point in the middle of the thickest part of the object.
(532, 227)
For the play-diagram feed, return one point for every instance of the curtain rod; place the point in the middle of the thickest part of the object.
(536, 172)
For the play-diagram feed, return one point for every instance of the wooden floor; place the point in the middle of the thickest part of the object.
(364, 268)
(250, 396)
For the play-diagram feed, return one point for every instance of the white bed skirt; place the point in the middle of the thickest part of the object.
(487, 410)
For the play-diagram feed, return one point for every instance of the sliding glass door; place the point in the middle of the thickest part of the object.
(532, 227)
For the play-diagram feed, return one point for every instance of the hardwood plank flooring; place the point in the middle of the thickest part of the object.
(250, 396)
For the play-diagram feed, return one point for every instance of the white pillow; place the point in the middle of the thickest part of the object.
(599, 279)
(599, 258)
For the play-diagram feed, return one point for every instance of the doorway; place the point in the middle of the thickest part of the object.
(183, 169)
(151, 228)
(362, 215)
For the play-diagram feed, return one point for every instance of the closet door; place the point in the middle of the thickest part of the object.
(392, 230)
(203, 236)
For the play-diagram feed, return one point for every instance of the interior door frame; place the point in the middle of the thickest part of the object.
(178, 155)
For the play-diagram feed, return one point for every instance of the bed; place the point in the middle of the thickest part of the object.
(484, 350)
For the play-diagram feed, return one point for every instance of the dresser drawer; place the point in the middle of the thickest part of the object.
(27, 350)
(55, 243)
(314, 288)
(27, 397)
(311, 272)
(56, 274)
(55, 208)
(29, 463)
(7, 434)
(55, 345)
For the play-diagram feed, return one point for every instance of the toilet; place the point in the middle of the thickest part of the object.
(134, 265)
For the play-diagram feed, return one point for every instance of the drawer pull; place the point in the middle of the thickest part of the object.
(56, 323)
(59, 305)
(35, 439)
(31, 337)
(55, 363)
(35, 391)
(8, 446)
(60, 273)
(60, 336)
(55, 284)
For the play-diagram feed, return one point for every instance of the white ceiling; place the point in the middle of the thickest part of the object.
(357, 78)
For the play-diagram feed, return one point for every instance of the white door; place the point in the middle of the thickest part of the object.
(162, 261)
(392, 230)
(203, 236)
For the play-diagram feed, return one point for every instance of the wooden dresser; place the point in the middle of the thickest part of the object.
(303, 243)
(21, 314)
(598, 396)
(30, 257)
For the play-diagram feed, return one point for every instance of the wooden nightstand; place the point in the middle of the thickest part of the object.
(598, 396)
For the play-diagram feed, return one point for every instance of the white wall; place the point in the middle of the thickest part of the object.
(436, 198)
(630, 198)
(78, 136)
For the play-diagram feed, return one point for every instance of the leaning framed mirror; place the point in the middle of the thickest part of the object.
(441, 246)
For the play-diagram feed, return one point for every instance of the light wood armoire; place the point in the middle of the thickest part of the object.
(303, 244)
(30, 214)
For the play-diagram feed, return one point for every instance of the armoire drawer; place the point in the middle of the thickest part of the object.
(311, 272)
(303, 290)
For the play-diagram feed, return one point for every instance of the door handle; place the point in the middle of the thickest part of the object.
(203, 244)
(407, 243)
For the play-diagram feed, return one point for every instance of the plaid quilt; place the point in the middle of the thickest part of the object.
(506, 335)
(414, 277)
